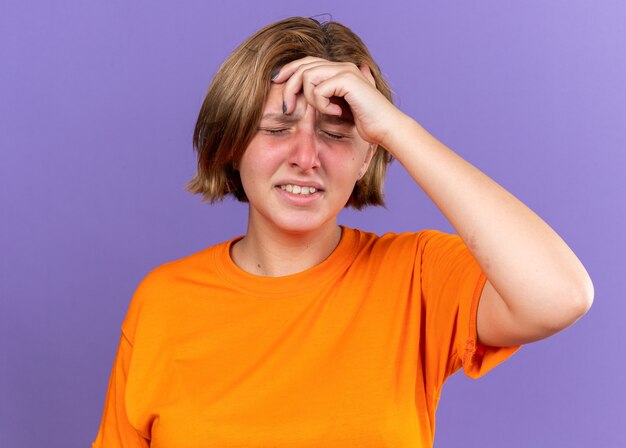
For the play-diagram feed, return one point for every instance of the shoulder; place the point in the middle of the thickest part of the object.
(409, 242)
(155, 291)
(401, 253)
(185, 268)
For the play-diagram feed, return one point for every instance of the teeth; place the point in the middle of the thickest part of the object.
(297, 189)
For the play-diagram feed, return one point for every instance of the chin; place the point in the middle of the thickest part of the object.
(301, 224)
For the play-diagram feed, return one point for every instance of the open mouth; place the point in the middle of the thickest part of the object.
(299, 189)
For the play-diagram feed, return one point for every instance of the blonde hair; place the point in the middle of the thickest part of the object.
(232, 108)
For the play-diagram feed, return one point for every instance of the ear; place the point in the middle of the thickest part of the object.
(368, 159)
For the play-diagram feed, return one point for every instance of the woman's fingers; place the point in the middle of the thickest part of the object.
(320, 94)
(306, 77)
(335, 88)
(305, 74)
(320, 85)
(287, 70)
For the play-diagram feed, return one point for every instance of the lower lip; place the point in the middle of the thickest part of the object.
(299, 199)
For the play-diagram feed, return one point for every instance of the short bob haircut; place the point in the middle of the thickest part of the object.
(233, 106)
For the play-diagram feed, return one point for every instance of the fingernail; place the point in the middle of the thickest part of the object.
(275, 74)
(284, 108)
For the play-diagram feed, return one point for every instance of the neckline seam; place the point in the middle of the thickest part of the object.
(290, 284)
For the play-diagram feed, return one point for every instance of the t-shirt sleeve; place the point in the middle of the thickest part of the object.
(115, 429)
(451, 285)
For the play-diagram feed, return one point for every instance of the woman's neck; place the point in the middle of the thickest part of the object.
(274, 253)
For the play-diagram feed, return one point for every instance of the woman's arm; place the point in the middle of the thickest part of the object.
(536, 284)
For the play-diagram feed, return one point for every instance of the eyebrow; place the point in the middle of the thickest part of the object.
(292, 118)
(281, 118)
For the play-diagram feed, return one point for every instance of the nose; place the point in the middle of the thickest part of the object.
(304, 154)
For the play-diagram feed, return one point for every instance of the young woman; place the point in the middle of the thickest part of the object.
(304, 333)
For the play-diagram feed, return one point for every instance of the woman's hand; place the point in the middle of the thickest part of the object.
(321, 80)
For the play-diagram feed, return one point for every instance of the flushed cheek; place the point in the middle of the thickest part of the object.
(257, 166)
(343, 169)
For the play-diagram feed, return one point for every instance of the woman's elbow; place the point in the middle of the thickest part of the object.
(586, 295)
(576, 300)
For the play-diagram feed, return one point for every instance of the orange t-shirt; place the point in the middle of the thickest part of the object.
(350, 353)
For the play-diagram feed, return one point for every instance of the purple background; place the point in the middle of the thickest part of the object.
(97, 105)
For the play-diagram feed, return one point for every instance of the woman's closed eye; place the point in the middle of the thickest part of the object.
(274, 131)
(283, 131)
(333, 135)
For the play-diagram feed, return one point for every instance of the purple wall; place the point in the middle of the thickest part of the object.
(97, 106)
